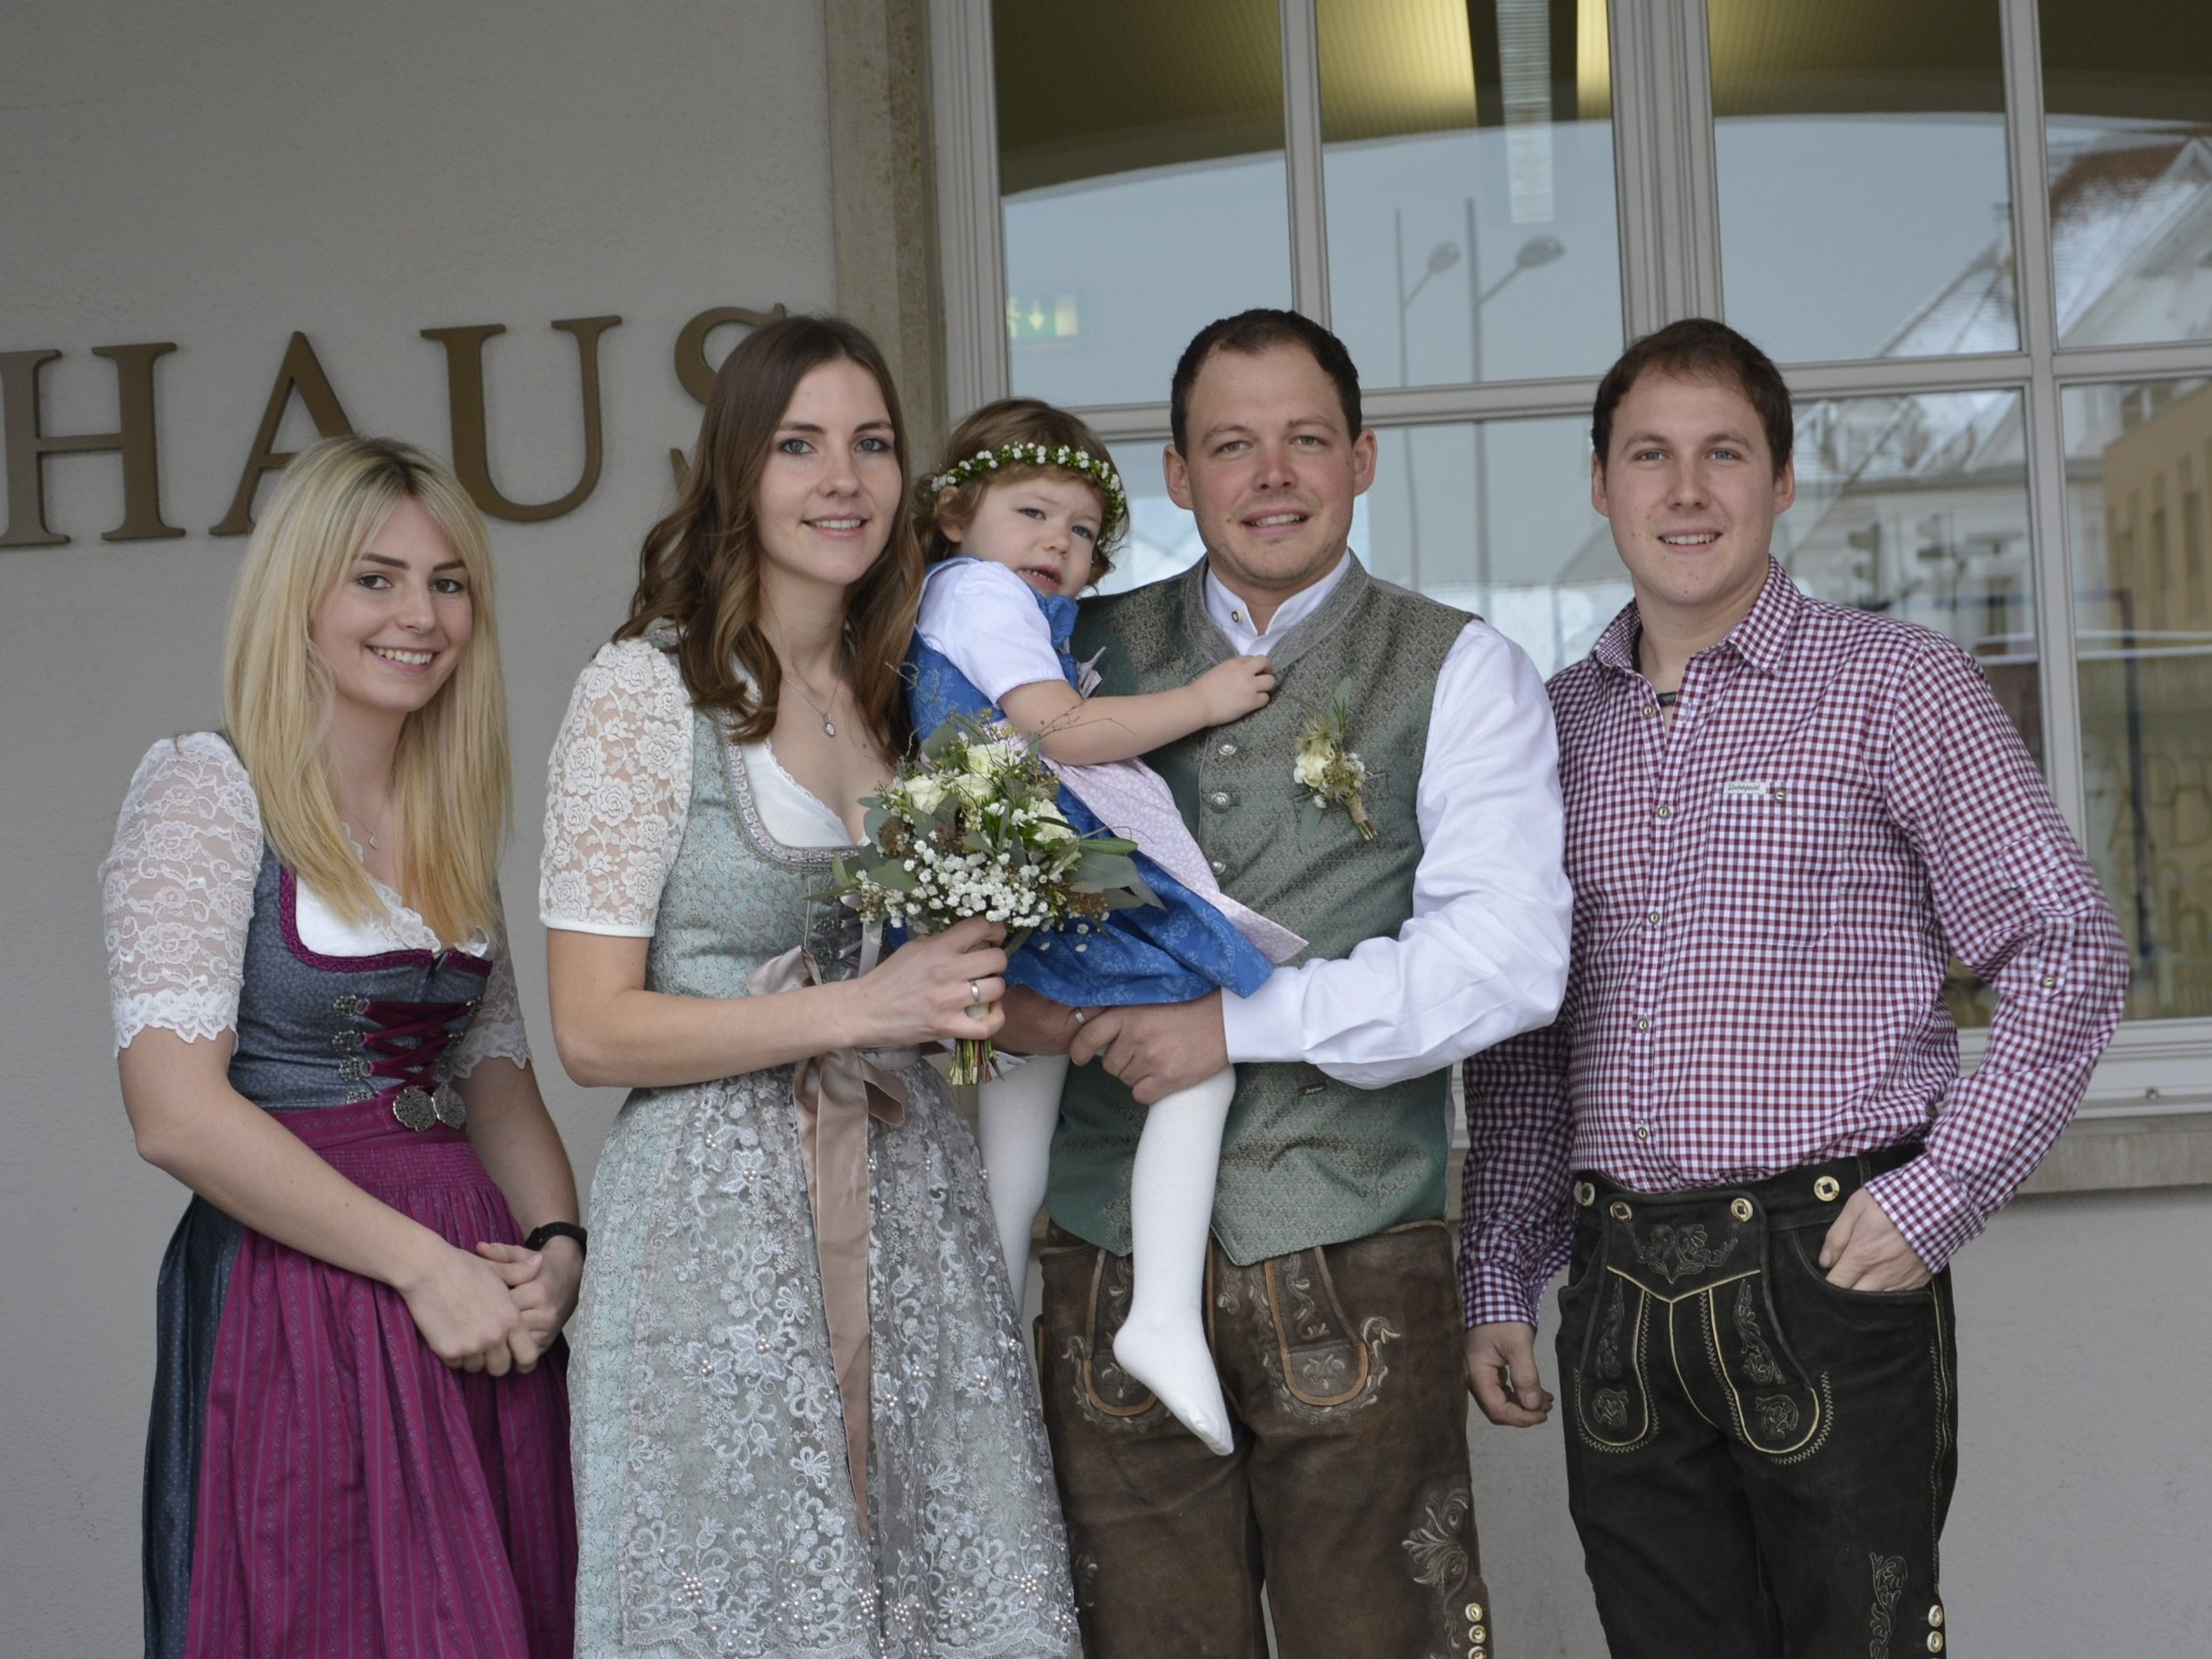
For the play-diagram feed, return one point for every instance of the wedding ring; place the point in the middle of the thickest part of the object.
(1082, 1018)
(974, 994)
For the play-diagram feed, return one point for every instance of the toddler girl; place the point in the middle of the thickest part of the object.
(1015, 524)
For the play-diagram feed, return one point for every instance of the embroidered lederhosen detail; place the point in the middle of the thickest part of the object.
(1702, 1264)
(1103, 1389)
(1612, 1396)
(1324, 1361)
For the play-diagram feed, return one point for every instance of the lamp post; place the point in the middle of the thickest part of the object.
(1442, 258)
(1536, 251)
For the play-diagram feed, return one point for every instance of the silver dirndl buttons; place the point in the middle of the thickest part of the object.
(414, 1109)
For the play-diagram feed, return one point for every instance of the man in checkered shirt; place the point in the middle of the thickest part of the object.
(1783, 817)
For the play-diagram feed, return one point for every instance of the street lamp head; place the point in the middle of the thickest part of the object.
(1442, 258)
(1538, 250)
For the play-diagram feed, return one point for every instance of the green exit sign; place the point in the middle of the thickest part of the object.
(1032, 318)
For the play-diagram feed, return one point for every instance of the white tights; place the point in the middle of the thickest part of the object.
(1171, 1201)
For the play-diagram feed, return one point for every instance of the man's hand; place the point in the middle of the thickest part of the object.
(1502, 1377)
(1864, 1250)
(1159, 1050)
(1035, 1024)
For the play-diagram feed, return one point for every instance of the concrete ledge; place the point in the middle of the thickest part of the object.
(2110, 1154)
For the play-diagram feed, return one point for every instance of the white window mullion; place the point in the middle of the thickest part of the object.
(1302, 155)
(2163, 360)
(1698, 220)
(1629, 29)
(971, 226)
(1669, 195)
(2046, 438)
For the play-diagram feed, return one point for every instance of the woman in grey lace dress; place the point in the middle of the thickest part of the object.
(804, 1419)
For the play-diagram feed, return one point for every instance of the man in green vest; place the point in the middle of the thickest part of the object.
(1427, 880)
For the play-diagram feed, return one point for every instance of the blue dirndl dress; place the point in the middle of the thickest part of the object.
(1180, 949)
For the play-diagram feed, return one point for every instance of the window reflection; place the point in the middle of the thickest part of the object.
(1865, 202)
(1469, 167)
(1917, 507)
(1141, 167)
(2139, 464)
(2128, 108)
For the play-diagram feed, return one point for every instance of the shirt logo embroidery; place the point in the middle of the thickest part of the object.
(1747, 790)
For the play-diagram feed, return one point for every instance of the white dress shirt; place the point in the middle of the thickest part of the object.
(1484, 955)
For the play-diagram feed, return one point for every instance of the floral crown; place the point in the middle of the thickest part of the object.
(985, 461)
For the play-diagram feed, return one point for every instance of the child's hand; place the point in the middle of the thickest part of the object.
(1232, 690)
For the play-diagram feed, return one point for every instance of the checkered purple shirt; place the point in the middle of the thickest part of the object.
(1767, 893)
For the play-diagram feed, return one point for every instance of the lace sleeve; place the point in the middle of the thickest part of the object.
(177, 890)
(617, 792)
(496, 1034)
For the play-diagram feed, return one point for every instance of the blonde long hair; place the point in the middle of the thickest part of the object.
(451, 795)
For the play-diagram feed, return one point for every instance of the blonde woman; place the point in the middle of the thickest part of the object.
(355, 1447)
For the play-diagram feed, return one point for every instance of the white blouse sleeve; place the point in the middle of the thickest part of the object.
(617, 790)
(985, 621)
(177, 890)
(496, 1031)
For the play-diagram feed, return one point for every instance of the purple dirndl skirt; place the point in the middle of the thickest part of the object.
(354, 1496)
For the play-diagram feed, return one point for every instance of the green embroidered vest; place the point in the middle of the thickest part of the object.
(1307, 1160)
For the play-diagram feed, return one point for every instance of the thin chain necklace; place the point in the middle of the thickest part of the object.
(829, 726)
(373, 842)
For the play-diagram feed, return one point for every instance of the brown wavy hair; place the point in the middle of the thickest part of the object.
(992, 427)
(699, 568)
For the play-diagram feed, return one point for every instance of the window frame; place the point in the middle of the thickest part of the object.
(1668, 200)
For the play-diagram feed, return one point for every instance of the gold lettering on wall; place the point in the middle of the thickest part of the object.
(693, 369)
(28, 444)
(464, 385)
(302, 372)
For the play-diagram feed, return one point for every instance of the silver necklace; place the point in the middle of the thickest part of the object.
(829, 726)
(373, 843)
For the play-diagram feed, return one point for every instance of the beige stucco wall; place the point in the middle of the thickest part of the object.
(219, 174)
(222, 174)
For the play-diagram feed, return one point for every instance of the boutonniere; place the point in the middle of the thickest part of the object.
(1329, 768)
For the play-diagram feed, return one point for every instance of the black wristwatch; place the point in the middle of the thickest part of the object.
(558, 1229)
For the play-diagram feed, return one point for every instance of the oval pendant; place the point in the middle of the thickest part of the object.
(829, 727)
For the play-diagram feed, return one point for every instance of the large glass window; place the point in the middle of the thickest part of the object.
(1140, 156)
(1865, 210)
(1469, 163)
(2127, 122)
(1485, 198)
(1916, 506)
(2140, 476)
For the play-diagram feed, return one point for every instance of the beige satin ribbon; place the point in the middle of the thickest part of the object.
(833, 1095)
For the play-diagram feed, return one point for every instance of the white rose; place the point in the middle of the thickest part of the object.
(988, 757)
(925, 794)
(1310, 771)
(1049, 830)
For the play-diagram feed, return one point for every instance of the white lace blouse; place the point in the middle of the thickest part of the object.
(618, 793)
(177, 893)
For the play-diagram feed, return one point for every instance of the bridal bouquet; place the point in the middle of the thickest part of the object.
(971, 827)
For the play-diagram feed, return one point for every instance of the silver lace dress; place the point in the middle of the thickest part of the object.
(715, 1510)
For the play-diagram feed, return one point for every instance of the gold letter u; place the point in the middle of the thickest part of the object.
(464, 382)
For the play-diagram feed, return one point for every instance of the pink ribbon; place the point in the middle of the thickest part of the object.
(833, 1095)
